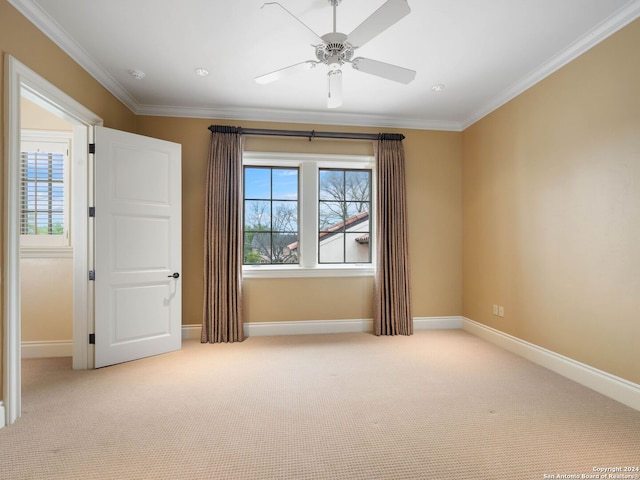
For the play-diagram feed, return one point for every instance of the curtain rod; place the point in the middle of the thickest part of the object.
(308, 134)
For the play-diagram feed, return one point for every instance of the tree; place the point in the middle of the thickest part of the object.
(343, 194)
(267, 235)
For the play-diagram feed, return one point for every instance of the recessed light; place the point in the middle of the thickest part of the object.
(201, 72)
(438, 87)
(137, 74)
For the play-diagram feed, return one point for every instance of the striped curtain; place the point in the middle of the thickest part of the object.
(222, 312)
(392, 298)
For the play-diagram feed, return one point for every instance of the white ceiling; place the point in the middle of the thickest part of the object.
(484, 51)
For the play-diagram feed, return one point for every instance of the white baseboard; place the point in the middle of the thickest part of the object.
(2, 415)
(191, 332)
(306, 327)
(613, 387)
(47, 348)
(437, 323)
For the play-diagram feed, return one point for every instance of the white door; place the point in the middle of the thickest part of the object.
(137, 247)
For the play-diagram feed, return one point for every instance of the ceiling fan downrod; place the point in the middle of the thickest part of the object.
(334, 4)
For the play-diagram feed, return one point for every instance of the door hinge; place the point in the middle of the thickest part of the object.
(92, 274)
(92, 211)
(92, 148)
(92, 339)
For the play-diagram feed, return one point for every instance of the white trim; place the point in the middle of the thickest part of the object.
(11, 274)
(437, 323)
(306, 327)
(46, 252)
(47, 349)
(317, 117)
(191, 332)
(612, 386)
(2, 414)
(296, 271)
(20, 79)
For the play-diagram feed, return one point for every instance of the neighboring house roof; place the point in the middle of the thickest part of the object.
(339, 227)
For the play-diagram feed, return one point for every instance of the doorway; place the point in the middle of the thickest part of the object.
(46, 252)
(22, 81)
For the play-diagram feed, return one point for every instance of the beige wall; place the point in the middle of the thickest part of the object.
(46, 288)
(434, 196)
(551, 211)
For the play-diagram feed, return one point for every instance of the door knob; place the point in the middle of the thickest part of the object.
(174, 275)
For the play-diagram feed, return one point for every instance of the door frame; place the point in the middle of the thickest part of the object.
(18, 79)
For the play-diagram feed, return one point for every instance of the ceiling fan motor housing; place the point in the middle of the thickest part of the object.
(335, 50)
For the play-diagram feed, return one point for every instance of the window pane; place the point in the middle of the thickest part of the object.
(255, 247)
(331, 248)
(42, 189)
(285, 183)
(257, 215)
(284, 248)
(331, 216)
(257, 182)
(331, 185)
(358, 185)
(285, 216)
(357, 247)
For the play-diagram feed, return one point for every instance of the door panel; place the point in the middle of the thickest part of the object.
(137, 247)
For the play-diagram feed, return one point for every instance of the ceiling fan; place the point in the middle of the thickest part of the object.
(334, 49)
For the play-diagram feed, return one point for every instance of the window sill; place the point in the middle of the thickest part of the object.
(277, 271)
(46, 252)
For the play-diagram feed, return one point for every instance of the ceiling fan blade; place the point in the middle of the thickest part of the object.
(384, 70)
(334, 94)
(312, 37)
(285, 72)
(389, 13)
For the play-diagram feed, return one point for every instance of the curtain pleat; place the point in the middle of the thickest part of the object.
(392, 298)
(222, 311)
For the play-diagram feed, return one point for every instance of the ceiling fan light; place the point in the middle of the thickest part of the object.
(334, 97)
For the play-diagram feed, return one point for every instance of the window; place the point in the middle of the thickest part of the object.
(307, 215)
(44, 185)
(270, 215)
(344, 228)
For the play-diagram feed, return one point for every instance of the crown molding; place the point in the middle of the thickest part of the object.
(34, 13)
(605, 29)
(297, 116)
(47, 25)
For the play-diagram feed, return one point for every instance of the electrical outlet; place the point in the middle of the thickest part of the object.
(500, 311)
(495, 309)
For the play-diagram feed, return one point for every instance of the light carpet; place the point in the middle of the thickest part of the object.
(436, 405)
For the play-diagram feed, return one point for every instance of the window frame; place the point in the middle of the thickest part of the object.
(309, 166)
(34, 246)
(344, 235)
(271, 200)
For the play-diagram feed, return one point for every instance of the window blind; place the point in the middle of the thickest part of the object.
(42, 193)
